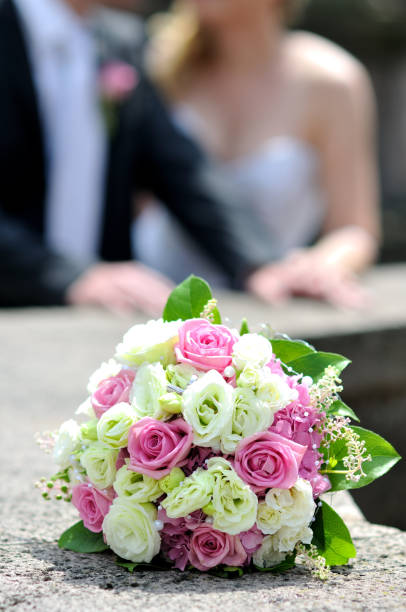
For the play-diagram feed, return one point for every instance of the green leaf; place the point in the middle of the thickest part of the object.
(81, 540)
(227, 571)
(339, 408)
(283, 566)
(188, 300)
(384, 457)
(331, 537)
(289, 350)
(130, 566)
(314, 364)
(244, 327)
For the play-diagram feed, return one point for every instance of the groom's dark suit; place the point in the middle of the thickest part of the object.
(146, 153)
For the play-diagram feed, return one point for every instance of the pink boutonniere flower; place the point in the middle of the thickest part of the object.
(116, 82)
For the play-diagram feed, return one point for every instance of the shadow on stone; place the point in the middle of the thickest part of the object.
(100, 570)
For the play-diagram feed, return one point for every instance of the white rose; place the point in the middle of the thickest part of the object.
(191, 494)
(296, 505)
(100, 465)
(267, 556)
(274, 391)
(114, 425)
(149, 385)
(130, 531)
(137, 487)
(249, 417)
(151, 342)
(286, 538)
(67, 442)
(208, 408)
(106, 370)
(251, 349)
(86, 409)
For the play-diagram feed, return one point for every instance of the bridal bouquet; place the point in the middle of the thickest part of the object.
(206, 447)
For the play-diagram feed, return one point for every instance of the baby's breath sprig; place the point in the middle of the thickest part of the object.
(46, 440)
(313, 561)
(325, 392)
(338, 428)
(208, 310)
(57, 487)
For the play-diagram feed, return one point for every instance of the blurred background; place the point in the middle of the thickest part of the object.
(375, 32)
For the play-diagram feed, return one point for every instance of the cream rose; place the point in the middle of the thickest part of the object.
(251, 349)
(249, 417)
(151, 342)
(130, 531)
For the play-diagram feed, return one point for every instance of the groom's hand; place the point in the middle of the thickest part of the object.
(121, 287)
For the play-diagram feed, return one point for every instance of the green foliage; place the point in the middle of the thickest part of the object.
(188, 300)
(81, 540)
(283, 566)
(227, 571)
(244, 329)
(314, 364)
(339, 408)
(331, 537)
(384, 457)
(289, 350)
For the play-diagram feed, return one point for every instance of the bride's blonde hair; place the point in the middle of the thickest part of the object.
(179, 45)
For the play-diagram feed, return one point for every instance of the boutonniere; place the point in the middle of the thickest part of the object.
(116, 81)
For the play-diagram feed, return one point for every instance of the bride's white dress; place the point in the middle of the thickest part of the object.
(281, 184)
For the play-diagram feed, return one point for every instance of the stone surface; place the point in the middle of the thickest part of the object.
(45, 361)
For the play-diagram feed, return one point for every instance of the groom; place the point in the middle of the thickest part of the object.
(68, 176)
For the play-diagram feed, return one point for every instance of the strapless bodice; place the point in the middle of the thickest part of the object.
(281, 184)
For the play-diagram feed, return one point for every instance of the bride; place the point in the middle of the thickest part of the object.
(290, 119)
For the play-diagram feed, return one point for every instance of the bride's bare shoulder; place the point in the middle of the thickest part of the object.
(323, 62)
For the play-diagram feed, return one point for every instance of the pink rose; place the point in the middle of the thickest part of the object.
(93, 505)
(112, 391)
(156, 447)
(117, 80)
(209, 547)
(266, 459)
(204, 345)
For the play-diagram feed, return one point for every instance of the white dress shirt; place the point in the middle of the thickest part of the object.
(64, 66)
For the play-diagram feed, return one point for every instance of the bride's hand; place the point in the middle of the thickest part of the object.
(306, 273)
(121, 287)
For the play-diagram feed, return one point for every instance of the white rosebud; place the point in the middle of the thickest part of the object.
(106, 370)
(251, 349)
(67, 442)
(151, 342)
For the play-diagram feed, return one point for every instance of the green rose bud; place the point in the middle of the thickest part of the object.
(100, 465)
(190, 495)
(234, 503)
(173, 480)
(130, 531)
(171, 403)
(114, 425)
(137, 487)
(249, 377)
(88, 431)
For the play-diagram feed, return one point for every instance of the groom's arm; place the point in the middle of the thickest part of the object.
(31, 274)
(175, 170)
